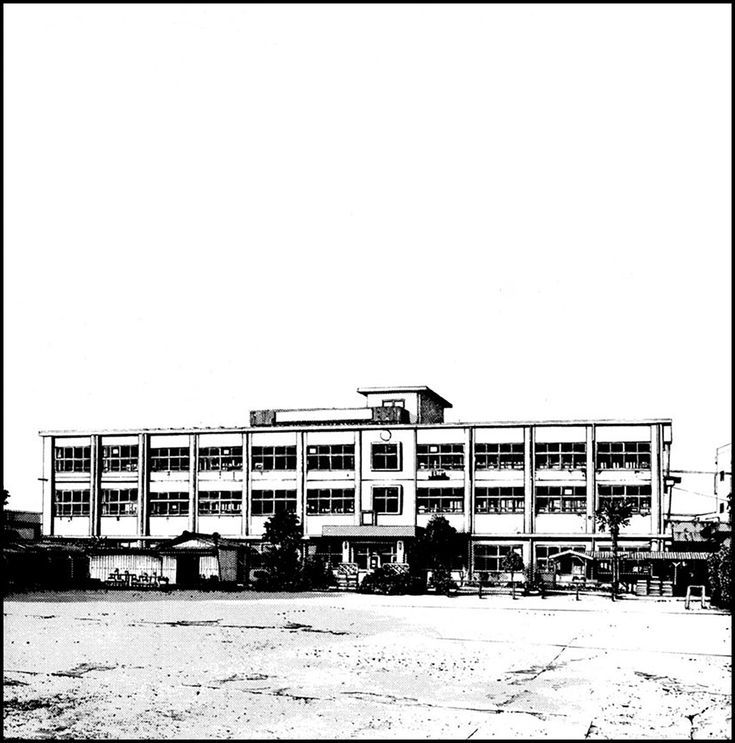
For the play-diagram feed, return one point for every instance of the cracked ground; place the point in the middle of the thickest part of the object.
(187, 665)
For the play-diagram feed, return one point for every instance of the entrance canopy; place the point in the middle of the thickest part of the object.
(571, 553)
(392, 532)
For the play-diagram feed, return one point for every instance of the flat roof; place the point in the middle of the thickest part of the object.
(337, 427)
(404, 388)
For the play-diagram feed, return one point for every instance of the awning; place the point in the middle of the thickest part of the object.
(571, 553)
(369, 531)
(641, 556)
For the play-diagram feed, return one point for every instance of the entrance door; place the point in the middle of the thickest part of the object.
(187, 570)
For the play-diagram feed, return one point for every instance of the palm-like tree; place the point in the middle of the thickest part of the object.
(613, 513)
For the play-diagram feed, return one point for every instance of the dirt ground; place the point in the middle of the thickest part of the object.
(183, 665)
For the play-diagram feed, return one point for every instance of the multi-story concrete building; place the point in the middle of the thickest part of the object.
(363, 479)
(723, 480)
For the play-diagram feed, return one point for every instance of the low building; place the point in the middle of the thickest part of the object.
(24, 525)
(363, 479)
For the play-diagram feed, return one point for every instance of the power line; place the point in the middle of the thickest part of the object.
(699, 472)
(695, 492)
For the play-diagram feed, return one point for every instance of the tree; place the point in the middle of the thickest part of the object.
(612, 514)
(282, 560)
(512, 563)
(437, 548)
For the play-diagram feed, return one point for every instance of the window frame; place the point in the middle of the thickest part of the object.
(439, 493)
(623, 455)
(161, 504)
(330, 457)
(78, 458)
(487, 495)
(444, 457)
(385, 497)
(219, 498)
(551, 455)
(286, 496)
(74, 502)
(492, 456)
(112, 502)
(156, 457)
(397, 456)
(316, 498)
(275, 458)
(226, 458)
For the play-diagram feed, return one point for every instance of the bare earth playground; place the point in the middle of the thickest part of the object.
(328, 665)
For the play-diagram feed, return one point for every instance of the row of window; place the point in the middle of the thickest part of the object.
(489, 557)
(383, 457)
(386, 500)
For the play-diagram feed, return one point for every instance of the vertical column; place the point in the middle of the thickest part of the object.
(591, 526)
(657, 525)
(301, 477)
(94, 486)
(345, 551)
(245, 526)
(529, 503)
(358, 477)
(193, 483)
(400, 551)
(469, 490)
(47, 485)
(143, 484)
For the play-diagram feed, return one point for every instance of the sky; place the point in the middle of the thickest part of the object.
(216, 208)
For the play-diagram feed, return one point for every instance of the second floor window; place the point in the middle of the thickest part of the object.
(499, 500)
(119, 501)
(387, 499)
(170, 458)
(265, 458)
(634, 455)
(561, 499)
(120, 458)
(268, 502)
(72, 459)
(440, 500)
(561, 456)
(386, 457)
(71, 503)
(169, 504)
(639, 496)
(499, 456)
(330, 500)
(220, 503)
(440, 456)
(330, 457)
(220, 458)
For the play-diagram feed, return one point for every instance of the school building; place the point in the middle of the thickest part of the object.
(362, 480)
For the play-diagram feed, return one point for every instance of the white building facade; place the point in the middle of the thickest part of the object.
(363, 479)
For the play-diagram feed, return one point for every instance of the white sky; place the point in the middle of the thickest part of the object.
(210, 209)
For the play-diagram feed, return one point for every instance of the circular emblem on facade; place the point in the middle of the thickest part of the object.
(385, 435)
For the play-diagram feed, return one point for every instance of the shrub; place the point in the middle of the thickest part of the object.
(388, 581)
(441, 581)
(713, 574)
(317, 575)
(725, 577)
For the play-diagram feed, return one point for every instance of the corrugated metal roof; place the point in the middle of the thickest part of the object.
(639, 556)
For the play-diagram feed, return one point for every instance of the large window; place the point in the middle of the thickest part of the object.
(386, 457)
(220, 503)
(170, 458)
(489, 557)
(498, 456)
(545, 551)
(268, 502)
(119, 501)
(561, 499)
(499, 500)
(120, 458)
(71, 503)
(331, 457)
(440, 500)
(561, 456)
(330, 500)
(72, 459)
(169, 504)
(220, 458)
(639, 496)
(632, 455)
(440, 456)
(273, 458)
(387, 499)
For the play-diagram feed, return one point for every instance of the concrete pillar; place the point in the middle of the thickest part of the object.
(529, 503)
(657, 485)
(301, 478)
(591, 525)
(48, 475)
(345, 551)
(245, 525)
(193, 482)
(358, 478)
(469, 469)
(400, 551)
(143, 484)
(95, 475)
